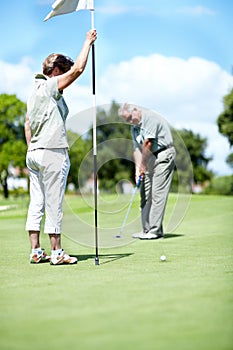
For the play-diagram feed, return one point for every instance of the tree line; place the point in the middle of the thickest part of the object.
(114, 149)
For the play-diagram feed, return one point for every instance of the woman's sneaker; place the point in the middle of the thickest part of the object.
(39, 257)
(63, 258)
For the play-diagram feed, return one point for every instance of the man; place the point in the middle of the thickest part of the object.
(154, 156)
(47, 155)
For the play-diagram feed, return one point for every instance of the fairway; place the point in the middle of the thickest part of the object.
(131, 300)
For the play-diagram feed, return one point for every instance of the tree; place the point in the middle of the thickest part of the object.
(183, 175)
(225, 123)
(115, 153)
(12, 140)
(225, 119)
(79, 148)
(229, 160)
(221, 185)
(114, 148)
(196, 146)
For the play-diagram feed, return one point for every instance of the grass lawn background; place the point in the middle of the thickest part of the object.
(131, 300)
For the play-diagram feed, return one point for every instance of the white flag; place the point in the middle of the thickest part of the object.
(61, 7)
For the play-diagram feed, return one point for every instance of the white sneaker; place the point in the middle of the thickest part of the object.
(149, 235)
(39, 257)
(137, 234)
(63, 258)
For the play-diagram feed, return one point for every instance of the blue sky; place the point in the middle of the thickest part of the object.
(174, 56)
(126, 29)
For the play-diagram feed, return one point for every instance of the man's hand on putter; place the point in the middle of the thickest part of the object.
(137, 174)
(146, 152)
(142, 170)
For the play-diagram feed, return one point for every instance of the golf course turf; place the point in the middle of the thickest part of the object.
(132, 300)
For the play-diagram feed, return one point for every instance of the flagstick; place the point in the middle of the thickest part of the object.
(94, 144)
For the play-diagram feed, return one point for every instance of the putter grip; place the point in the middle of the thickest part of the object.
(139, 181)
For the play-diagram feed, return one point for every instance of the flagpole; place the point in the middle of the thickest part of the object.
(94, 144)
(61, 7)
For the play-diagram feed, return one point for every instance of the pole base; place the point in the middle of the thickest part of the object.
(97, 261)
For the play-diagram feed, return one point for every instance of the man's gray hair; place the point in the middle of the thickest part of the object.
(124, 108)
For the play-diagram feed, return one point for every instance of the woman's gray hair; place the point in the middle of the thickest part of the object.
(64, 63)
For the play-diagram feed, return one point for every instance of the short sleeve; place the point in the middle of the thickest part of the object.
(135, 133)
(52, 88)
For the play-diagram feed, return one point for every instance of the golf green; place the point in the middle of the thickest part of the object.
(132, 300)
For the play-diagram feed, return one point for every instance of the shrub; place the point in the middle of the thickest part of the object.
(220, 185)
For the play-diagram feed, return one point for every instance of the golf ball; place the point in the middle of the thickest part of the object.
(163, 258)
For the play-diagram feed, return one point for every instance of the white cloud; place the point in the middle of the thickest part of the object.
(187, 90)
(16, 78)
(196, 11)
(188, 93)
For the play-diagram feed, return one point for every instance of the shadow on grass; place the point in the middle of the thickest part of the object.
(104, 258)
(172, 235)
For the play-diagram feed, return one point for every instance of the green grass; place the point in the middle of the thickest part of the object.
(131, 300)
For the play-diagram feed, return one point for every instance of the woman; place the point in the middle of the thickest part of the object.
(47, 156)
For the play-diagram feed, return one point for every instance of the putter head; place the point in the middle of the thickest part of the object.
(118, 236)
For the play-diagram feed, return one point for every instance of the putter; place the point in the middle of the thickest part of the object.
(129, 207)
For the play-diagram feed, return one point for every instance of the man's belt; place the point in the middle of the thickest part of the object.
(162, 149)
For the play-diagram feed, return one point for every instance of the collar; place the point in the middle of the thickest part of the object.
(40, 76)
